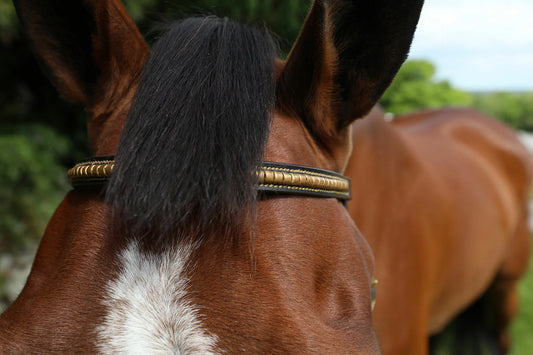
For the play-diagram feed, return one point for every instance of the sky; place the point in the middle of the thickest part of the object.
(478, 45)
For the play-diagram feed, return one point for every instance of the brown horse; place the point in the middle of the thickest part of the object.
(442, 197)
(192, 244)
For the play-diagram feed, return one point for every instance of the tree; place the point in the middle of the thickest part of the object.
(415, 87)
(33, 182)
(8, 19)
(515, 109)
(283, 17)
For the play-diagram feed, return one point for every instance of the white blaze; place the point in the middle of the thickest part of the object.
(148, 311)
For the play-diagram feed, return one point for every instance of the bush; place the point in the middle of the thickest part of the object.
(415, 87)
(515, 109)
(36, 182)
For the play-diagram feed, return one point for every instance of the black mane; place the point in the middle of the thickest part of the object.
(196, 131)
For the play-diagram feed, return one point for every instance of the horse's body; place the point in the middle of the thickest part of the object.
(449, 191)
(179, 254)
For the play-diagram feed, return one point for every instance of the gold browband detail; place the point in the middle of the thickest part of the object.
(91, 171)
(302, 179)
(273, 177)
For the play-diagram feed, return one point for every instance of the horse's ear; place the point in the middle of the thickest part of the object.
(91, 49)
(345, 57)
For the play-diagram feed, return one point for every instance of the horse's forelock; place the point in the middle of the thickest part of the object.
(196, 131)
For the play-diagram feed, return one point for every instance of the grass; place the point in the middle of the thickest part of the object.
(522, 327)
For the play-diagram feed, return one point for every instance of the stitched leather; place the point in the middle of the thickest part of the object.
(272, 178)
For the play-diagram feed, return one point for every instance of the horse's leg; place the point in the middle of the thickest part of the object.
(504, 292)
(504, 299)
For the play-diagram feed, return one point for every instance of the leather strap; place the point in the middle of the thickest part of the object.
(303, 180)
(273, 178)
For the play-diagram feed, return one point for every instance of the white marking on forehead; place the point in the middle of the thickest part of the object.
(148, 311)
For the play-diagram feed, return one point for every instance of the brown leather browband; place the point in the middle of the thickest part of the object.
(273, 178)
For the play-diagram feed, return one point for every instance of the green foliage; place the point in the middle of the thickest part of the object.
(36, 181)
(138, 8)
(282, 17)
(8, 20)
(514, 109)
(415, 87)
(522, 341)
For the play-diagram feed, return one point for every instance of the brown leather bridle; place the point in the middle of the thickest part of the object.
(272, 178)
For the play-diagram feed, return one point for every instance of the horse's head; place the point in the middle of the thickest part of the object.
(190, 123)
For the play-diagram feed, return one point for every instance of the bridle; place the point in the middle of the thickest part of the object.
(272, 178)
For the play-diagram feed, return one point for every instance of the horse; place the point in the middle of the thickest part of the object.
(210, 218)
(442, 198)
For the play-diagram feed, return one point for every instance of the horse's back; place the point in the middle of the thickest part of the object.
(472, 152)
(452, 188)
(469, 137)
